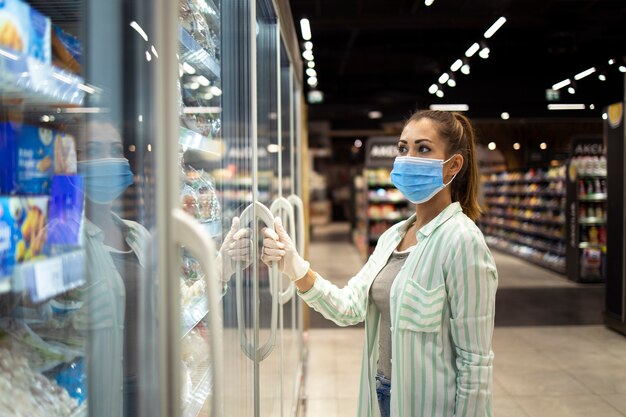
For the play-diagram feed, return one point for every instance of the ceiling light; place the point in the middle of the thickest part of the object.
(358, 143)
(622, 68)
(484, 53)
(148, 56)
(457, 64)
(492, 146)
(311, 72)
(592, 107)
(305, 28)
(193, 86)
(374, 114)
(505, 116)
(449, 107)
(602, 77)
(451, 82)
(308, 55)
(444, 78)
(583, 74)
(562, 84)
(604, 116)
(517, 146)
(433, 89)
(312, 81)
(439, 93)
(472, 50)
(571, 90)
(429, 2)
(311, 64)
(204, 81)
(315, 96)
(188, 68)
(465, 69)
(273, 148)
(494, 28)
(611, 61)
(215, 90)
(543, 146)
(308, 45)
(566, 107)
(139, 30)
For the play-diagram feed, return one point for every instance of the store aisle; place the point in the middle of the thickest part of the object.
(540, 370)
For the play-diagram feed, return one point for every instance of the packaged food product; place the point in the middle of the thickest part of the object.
(64, 154)
(67, 50)
(27, 153)
(23, 230)
(65, 210)
(24, 30)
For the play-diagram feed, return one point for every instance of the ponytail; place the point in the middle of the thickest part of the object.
(457, 131)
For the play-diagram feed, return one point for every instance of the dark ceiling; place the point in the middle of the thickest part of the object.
(384, 55)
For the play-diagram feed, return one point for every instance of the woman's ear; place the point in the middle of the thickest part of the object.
(455, 165)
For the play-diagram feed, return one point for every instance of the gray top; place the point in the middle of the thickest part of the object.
(380, 293)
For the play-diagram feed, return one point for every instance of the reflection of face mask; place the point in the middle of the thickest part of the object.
(419, 179)
(106, 178)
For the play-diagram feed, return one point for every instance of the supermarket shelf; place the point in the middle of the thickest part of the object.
(193, 314)
(525, 193)
(589, 245)
(601, 174)
(526, 219)
(541, 248)
(551, 266)
(190, 139)
(193, 405)
(592, 197)
(29, 79)
(524, 181)
(47, 278)
(386, 201)
(196, 54)
(525, 231)
(537, 207)
(592, 220)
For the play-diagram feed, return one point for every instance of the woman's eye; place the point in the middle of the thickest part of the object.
(423, 149)
(402, 149)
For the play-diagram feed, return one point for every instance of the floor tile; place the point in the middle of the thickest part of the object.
(507, 407)
(602, 381)
(618, 401)
(567, 406)
(554, 383)
(523, 361)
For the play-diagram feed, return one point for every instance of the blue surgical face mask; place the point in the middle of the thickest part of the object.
(419, 179)
(106, 178)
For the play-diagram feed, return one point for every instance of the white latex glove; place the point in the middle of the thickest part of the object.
(237, 247)
(278, 247)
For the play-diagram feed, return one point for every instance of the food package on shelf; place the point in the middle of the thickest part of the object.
(195, 353)
(190, 290)
(24, 30)
(65, 211)
(194, 18)
(208, 206)
(24, 393)
(67, 51)
(23, 230)
(31, 155)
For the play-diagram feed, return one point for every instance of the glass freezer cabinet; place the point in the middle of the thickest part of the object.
(144, 144)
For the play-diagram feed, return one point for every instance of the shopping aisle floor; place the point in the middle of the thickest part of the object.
(573, 366)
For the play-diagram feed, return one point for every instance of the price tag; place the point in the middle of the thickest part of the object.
(48, 279)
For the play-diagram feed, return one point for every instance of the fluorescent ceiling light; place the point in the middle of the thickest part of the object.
(457, 65)
(139, 30)
(622, 68)
(311, 72)
(602, 77)
(451, 82)
(204, 81)
(308, 45)
(505, 116)
(312, 81)
(433, 89)
(439, 93)
(494, 28)
(562, 84)
(465, 69)
(308, 55)
(444, 78)
(215, 90)
(148, 56)
(429, 2)
(484, 53)
(188, 68)
(583, 74)
(566, 107)
(311, 64)
(449, 107)
(374, 114)
(571, 90)
(305, 28)
(472, 50)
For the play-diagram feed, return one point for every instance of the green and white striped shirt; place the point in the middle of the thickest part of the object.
(442, 315)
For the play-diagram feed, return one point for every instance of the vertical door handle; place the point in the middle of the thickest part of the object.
(298, 207)
(279, 205)
(188, 232)
(262, 213)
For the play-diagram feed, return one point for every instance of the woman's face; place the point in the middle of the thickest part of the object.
(103, 141)
(421, 139)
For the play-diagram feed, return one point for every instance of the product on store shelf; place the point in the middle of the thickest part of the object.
(66, 50)
(23, 230)
(65, 210)
(591, 263)
(31, 155)
(24, 31)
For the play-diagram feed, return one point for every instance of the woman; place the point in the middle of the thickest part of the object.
(427, 293)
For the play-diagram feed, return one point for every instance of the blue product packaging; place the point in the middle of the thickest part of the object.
(27, 153)
(25, 31)
(23, 231)
(65, 211)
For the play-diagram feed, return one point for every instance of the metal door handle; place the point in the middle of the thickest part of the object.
(262, 213)
(280, 204)
(188, 232)
(298, 206)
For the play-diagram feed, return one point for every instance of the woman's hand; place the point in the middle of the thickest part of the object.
(278, 247)
(237, 247)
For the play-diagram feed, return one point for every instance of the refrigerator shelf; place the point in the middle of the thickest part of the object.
(193, 314)
(49, 277)
(193, 404)
(592, 197)
(195, 54)
(25, 78)
(190, 139)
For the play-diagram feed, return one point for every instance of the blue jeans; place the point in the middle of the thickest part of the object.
(383, 389)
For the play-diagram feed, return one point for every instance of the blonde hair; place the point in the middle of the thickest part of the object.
(458, 133)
